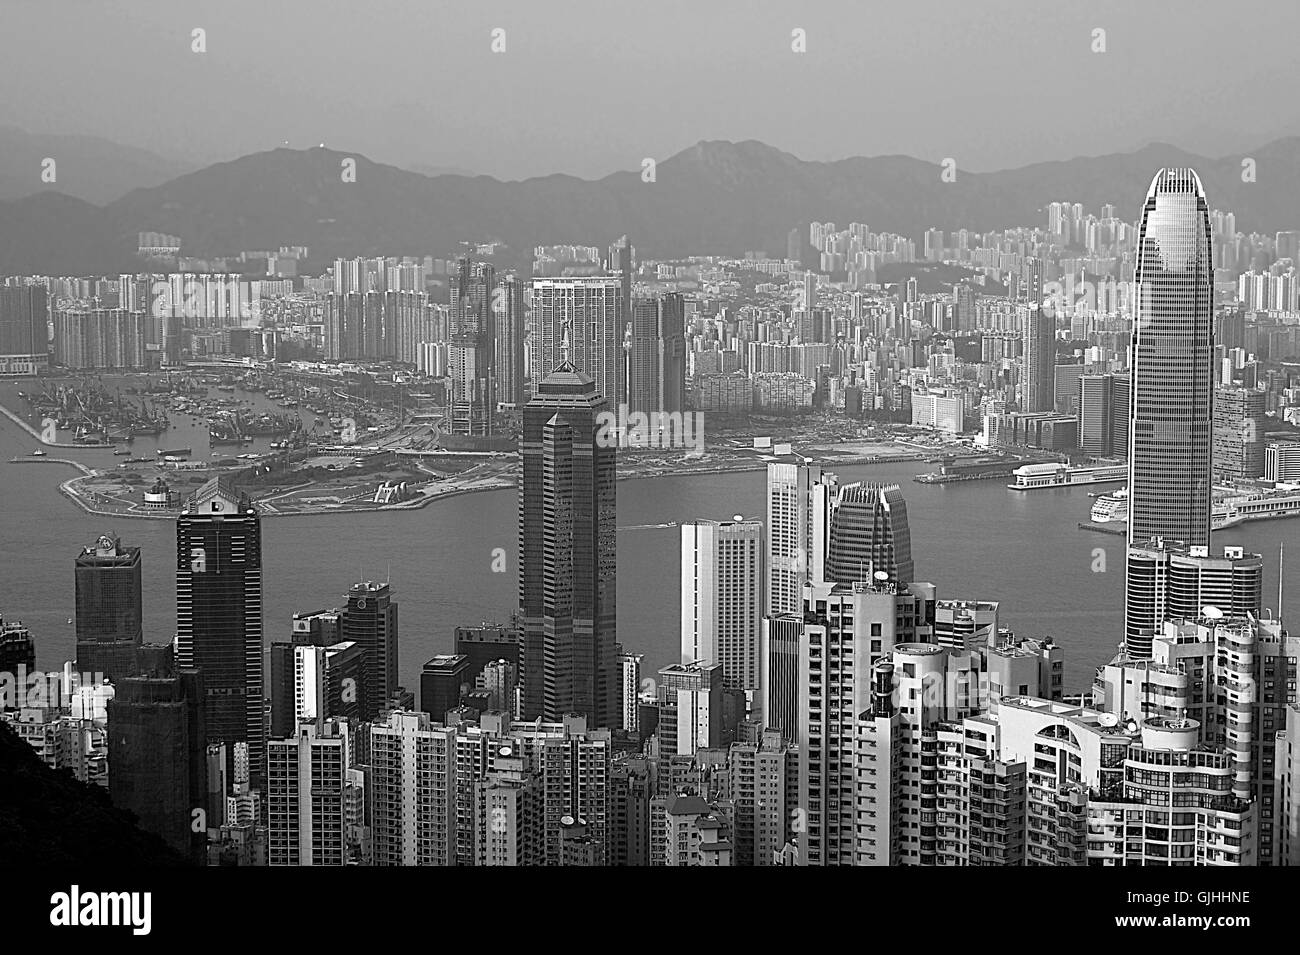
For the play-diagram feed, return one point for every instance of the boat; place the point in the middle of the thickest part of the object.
(38, 453)
(172, 452)
(1111, 507)
(120, 452)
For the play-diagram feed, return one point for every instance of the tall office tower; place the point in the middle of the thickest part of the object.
(442, 681)
(156, 745)
(1282, 461)
(1238, 433)
(1121, 403)
(579, 320)
(783, 638)
(109, 630)
(24, 330)
(1038, 386)
(370, 621)
(657, 361)
(18, 660)
(413, 787)
(307, 783)
(1164, 580)
(1169, 459)
(473, 347)
(722, 598)
(1103, 414)
(869, 535)
(513, 299)
(799, 501)
(763, 782)
(485, 643)
(848, 628)
(567, 501)
(219, 613)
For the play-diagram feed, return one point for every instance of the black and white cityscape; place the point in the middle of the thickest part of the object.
(600, 435)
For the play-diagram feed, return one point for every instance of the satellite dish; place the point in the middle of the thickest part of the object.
(1212, 612)
(737, 517)
(880, 575)
(1108, 719)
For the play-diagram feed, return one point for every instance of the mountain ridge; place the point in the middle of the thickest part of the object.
(717, 196)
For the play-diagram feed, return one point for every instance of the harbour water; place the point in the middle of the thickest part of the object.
(974, 539)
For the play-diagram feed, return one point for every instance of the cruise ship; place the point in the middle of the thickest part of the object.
(1111, 507)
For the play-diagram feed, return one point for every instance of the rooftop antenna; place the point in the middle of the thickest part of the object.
(1281, 575)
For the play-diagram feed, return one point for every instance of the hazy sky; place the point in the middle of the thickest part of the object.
(590, 86)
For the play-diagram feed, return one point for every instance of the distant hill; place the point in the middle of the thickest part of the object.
(715, 197)
(88, 167)
(49, 818)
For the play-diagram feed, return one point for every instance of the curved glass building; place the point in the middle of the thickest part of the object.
(1171, 413)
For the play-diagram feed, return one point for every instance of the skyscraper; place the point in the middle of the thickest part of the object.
(1238, 433)
(370, 621)
(513, 298)
(869, 534)
(579, 320)
(799, 500)
(657, 364)
(156, 744)
(108, 588)
(567, 554)
(1038, 387)
(473, 348)
(722, 598)
(1169, 462)
(1165, 579)
(219, 613)
(24, 330)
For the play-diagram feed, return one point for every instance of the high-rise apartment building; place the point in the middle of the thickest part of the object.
(513, 297)
(412, 792)
(579, 320)
(306, 802)
(722, 598)
(24, 330)
(657, 360)
(799, 503)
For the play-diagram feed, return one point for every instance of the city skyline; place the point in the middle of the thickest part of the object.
(736, 509)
